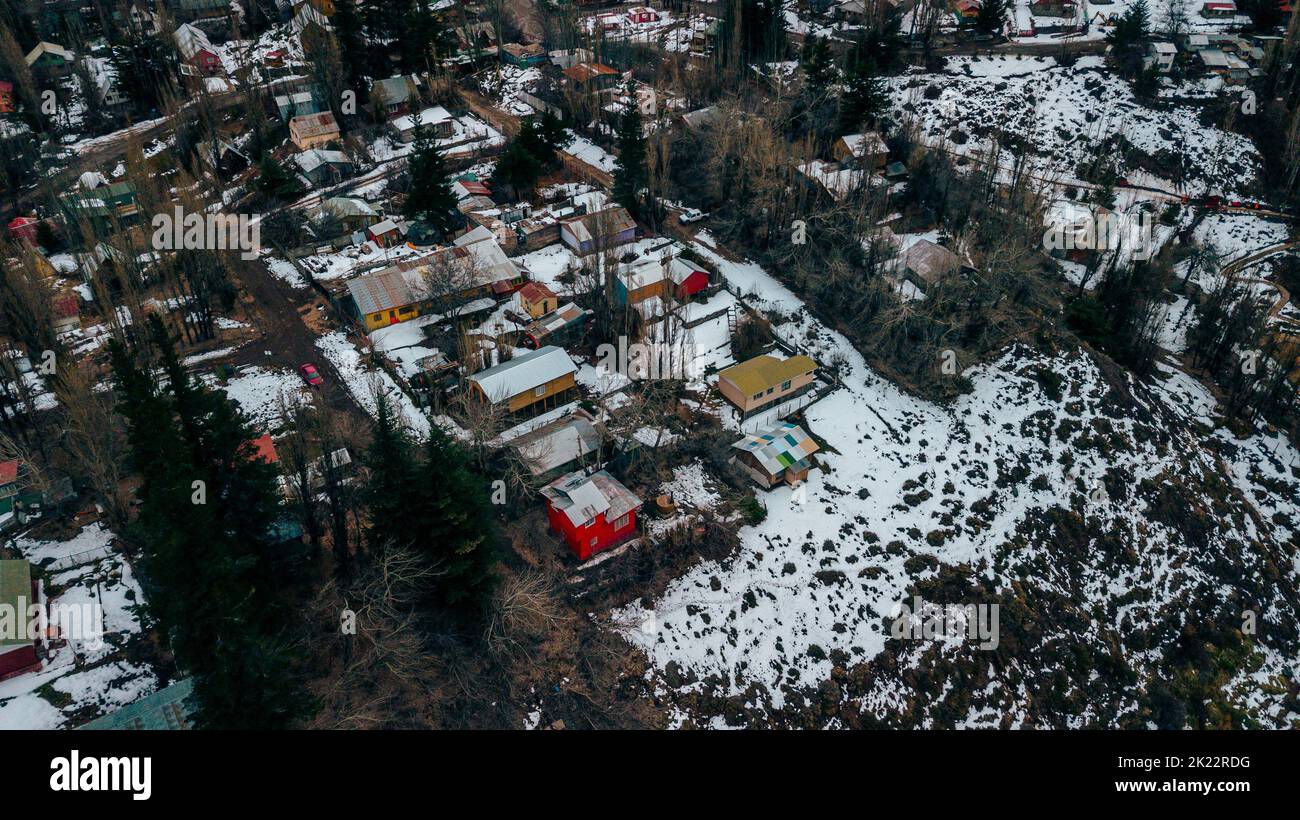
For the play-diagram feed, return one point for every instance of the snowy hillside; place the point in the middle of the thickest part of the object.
(1064, 115)
(992, 500)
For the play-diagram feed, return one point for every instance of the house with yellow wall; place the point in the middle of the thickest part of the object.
(387, 297)
(765, 380)
(529, 384)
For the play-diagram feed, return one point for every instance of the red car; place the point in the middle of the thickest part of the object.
(310, 375)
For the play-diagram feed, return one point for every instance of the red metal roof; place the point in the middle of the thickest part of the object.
(535, 292)
(9, 471)
(265, 448)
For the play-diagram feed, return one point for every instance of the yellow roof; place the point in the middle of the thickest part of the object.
(762, 372)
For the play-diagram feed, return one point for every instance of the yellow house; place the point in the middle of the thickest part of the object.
(532, 383)
(538, 299)
(387, 297)
(765, 379)
(312, 130)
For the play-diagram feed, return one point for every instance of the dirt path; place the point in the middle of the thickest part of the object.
(1233, 268)
(274, 308)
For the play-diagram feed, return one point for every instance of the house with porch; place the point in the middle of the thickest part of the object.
(529, 384)
(590, 233)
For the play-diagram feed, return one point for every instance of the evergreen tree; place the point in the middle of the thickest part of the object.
(435, 506)
(352, 42)
(630, 175)
(864, 99)
(531, 153)
(818, 63)
(144, 68)
(992, 16)
(1129, 37)
(451, 513)
(207, 508)
(517, 168)
(757, 26)
(430, 198)
(274, 180)
(391, 462)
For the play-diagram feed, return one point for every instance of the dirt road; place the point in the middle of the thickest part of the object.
(273, 307)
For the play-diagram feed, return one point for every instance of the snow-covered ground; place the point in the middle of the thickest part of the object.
(1064, 114)
(964, 485)
(84, 570)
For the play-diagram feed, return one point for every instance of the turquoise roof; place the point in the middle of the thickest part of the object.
(164, 709)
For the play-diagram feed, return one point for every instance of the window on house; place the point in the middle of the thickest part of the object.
(785, 386)
(769, 390)
(539, 391)
(758, 395)
(593, 542)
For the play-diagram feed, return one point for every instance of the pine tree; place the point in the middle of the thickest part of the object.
(530, 153)
(818, 63)
(274, 180)
(207, 506)
(435, 506)
(864, 99)
(391, 462)
(1129, 37)
(517, 168)
(992, 16)
(630, 175)
(451, 515)
(430, 198)
(352, 42)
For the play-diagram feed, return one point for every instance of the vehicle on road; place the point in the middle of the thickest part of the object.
(310, 375)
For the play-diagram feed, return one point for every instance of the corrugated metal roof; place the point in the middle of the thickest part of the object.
(385, 290)
(779, 447)
(165, 709)
(558, 443)
(583, 497)
(762, 372)
(524, 373)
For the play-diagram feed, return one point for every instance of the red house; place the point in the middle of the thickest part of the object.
(196, 50)
(592, 512)
(688, 278)
(641, 14)
(6, 97)
(23, 227)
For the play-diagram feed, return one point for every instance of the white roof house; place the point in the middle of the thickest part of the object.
(44, 47)
(191, 40)
(430, 118)
(861, 145)
(312, 159)
(558, 443)
(523, 373)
